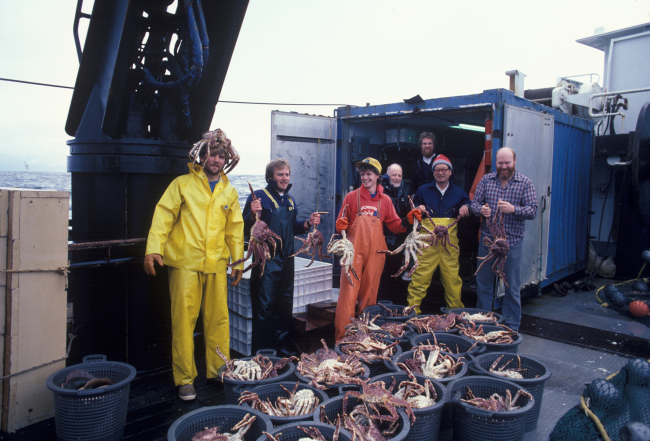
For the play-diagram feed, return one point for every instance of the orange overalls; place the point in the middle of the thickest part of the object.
(367, 237)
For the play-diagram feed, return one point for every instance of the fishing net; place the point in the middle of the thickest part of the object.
(619, 296)
(606, 405)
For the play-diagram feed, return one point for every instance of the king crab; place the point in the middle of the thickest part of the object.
(313, 243)
(326, 367)
(441, 233)
(375, 397)
(212, 434)
(495, 402)
(412, 246)
(367, 347)
(432, 323)
(257, 368)
(345, 250)
(297, 403)
(436, 366)
(261, 234)
(498, 246)
(508, 373)
(213, 139)
(396, 312)
(417, 395)
(506, 336)
(364, 324)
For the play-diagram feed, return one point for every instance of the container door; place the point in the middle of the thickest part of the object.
(530, 134)
(309, 144)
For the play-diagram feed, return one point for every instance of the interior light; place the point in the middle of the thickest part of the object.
(468, 127)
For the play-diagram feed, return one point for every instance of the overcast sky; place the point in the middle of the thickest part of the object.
(304, 51)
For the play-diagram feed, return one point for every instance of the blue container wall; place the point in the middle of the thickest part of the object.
(568, 232)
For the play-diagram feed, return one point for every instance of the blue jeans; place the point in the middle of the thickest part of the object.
(511, 309)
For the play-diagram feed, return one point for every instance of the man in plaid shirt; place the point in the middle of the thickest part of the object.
(514, 194)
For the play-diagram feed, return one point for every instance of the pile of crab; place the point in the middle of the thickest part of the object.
(503, 336)
(301, 402)
(326, 367)
(375, 416)
(367, 347)
(436, 365)
(439, 346)
(431, 323)
(366, 324)
(398, 312)
(495, 401)
(253, 369)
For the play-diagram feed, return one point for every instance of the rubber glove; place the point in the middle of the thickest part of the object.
(341, 224)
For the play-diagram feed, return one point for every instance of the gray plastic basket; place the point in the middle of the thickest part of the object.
(472, 423)
(94, 414)
(273, 391)
(427, 419)
(291, 432)
(224, 417)
(232, 388)
(334, 407)
(535, 375)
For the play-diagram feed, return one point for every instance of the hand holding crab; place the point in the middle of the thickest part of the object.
(412, 245)
(261, 237)
(343, 248)
(498, 245)
(314, 241)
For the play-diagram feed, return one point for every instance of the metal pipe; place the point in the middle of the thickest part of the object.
(584, 75)
(104, 244)
(617, 92)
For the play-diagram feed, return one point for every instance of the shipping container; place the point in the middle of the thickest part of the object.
(553, 149)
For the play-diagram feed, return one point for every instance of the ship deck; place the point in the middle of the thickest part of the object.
(579, 341)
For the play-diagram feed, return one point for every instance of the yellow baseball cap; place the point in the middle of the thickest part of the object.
(371, 161)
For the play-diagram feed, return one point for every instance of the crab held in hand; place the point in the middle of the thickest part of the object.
(260, 238)
(312, 244)
(441, 233)
(412, 246)
(498, 246)
(345, 250)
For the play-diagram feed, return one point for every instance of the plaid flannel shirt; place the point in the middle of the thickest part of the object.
(520, 192)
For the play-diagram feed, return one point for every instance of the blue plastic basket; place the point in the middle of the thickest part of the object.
(427, 419)
(291, 432)
(94, 414)
(224, 417)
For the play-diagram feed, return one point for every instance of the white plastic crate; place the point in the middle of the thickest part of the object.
(239, 297)
(310, 285)
(241, 333)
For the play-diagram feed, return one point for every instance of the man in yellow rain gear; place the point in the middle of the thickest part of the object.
(444, 202)
(197, 227)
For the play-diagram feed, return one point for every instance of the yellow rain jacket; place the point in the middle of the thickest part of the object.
(197, 231)
(190, 222)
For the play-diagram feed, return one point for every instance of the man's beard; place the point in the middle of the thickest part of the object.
(507, 173)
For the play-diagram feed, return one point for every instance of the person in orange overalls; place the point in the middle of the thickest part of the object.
(368, 210)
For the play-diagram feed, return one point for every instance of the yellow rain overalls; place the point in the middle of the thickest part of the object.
(433, 257)
(198, 231)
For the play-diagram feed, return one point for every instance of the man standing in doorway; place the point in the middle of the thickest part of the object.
(423, 168)
(444, 202)
(514, 194)
(272, 292)
(196, 229)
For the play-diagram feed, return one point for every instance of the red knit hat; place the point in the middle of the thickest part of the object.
(442, 159)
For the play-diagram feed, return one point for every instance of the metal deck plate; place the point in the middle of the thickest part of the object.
(607, 341)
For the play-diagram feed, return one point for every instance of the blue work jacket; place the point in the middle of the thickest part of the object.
(438, 205)
(268, 207)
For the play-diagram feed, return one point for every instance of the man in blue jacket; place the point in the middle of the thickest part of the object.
(272, 293)
(444, 202)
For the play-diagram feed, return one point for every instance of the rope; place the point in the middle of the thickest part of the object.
(67, 354)
(591, 415)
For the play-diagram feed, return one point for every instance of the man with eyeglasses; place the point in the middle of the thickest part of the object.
(444, 202)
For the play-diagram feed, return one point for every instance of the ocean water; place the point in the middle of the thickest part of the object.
(61, 182)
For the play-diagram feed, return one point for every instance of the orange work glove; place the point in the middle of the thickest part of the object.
(414, 213)
(341, 224)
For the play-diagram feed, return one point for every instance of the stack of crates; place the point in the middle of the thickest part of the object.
(310, 285)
